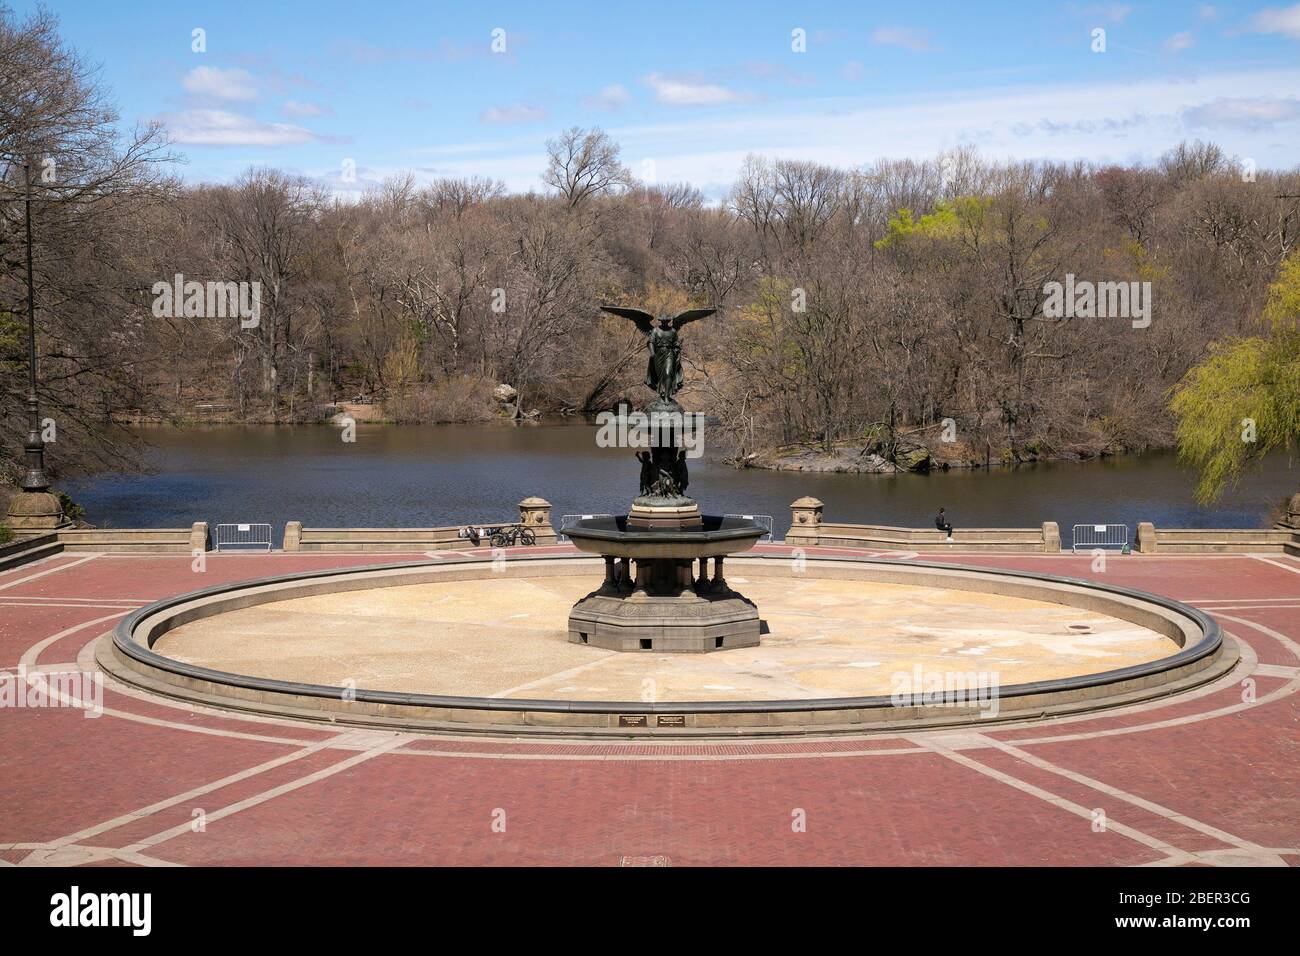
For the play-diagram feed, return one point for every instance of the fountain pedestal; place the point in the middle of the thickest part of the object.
(673, 513)
(653, 598)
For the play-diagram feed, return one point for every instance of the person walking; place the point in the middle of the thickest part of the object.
(941, 522)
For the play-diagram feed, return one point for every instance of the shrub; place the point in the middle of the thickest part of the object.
(462, 398)
(71, 510)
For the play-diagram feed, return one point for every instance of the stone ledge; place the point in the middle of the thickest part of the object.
(1153, 540)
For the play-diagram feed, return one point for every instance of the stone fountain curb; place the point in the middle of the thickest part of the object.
(1203, 656)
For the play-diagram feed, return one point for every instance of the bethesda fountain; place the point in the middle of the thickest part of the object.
(425, 661)
(652, 598)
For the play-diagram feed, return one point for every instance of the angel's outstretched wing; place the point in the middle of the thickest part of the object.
(645, 322)
(690, 315)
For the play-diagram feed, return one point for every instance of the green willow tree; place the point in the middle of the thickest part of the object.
(1243, 400)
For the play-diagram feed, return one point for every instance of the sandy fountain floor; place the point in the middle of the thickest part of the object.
(508, 638)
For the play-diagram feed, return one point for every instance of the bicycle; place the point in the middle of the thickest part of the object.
(515, 534)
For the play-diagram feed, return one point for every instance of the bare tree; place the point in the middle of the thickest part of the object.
(90, 187)
(581, 164)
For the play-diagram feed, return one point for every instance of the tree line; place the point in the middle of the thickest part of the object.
(897, 301)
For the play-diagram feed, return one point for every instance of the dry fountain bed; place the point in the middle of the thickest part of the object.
(506, 637)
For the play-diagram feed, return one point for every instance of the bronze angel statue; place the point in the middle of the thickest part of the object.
(664, 368)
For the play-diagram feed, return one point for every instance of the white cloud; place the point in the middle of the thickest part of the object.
(1258, 113)
(918, 41)
(1110, 122)
(1208, 12)
(678, 92)
(767, 70)
(214, 82)
(518, 113)
(1108, 12)
(303, 109)
(1179, 42)
(222, 128)
(1284, 20)
(612, 97)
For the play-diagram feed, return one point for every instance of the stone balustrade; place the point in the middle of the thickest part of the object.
(534, 514)
(808, 529)
(1153, 540)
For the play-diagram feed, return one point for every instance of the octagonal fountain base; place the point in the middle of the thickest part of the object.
(683, 623)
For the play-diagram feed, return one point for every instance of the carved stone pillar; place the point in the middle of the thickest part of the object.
(719, 582)
(805, 522)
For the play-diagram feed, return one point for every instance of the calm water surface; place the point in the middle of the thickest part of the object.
(421, 476)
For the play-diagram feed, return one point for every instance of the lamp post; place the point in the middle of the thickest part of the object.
(1291, 517)
(34, 509)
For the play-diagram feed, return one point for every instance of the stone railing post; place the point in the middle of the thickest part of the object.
(1146, 538)
(293, 536)
(1051, 537)
(1291, 519)
(199, 536)
(535, 514)
(805, 521)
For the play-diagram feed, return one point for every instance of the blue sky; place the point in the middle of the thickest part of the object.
(689, 89)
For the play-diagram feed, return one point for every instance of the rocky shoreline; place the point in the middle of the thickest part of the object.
(906, 457)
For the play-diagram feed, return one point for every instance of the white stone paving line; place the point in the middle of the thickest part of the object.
(76, 854)
(32, 653)
(1112, 825)
(74, 601)
(62, 567)
(377, 749)
(1294, 569)
(1251, 607)
(188, 795)
(109, 682)
(1175, 856)
(28, 565)
(123, 607)
(1243, 601)
(1150, 806)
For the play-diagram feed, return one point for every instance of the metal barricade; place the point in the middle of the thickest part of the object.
(242, 537)
(764, 521)
(1099, 536)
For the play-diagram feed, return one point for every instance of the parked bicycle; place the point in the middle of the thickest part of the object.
(514, 534)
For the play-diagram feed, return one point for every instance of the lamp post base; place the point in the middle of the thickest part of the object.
(35, 511)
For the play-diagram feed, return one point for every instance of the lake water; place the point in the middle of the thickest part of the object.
(422, 476)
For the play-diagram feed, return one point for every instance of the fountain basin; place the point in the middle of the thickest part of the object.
(717, 537)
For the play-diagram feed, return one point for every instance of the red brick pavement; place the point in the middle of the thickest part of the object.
(1209, 771)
